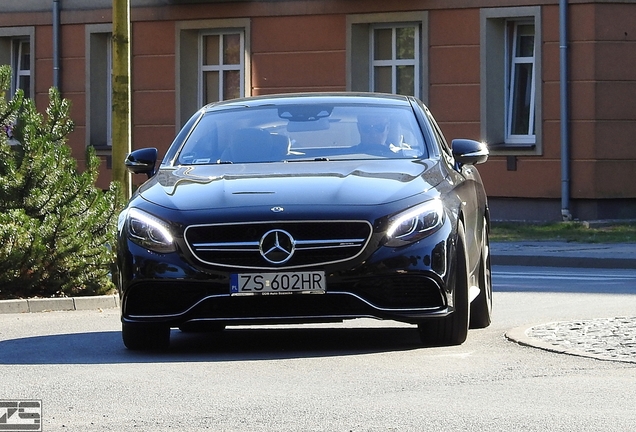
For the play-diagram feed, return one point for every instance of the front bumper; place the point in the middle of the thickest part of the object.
(407, 285)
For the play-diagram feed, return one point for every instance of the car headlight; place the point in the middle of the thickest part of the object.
(149, 231)
(415, 223)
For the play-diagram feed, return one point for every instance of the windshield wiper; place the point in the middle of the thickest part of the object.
(318, 159)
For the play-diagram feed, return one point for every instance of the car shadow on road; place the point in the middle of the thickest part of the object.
(227, 346)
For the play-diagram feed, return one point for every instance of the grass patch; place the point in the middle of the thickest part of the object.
(564, 231)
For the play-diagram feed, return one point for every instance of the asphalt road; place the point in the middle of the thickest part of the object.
(362, 375)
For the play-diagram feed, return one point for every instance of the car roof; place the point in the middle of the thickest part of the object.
(312, 98)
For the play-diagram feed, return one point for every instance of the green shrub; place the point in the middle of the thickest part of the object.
(55, 224)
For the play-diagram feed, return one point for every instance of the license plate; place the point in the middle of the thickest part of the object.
(278, 283)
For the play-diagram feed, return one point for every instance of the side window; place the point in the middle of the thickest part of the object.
(439, 136)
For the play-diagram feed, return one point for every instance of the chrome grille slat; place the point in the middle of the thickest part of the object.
(336, 243)
(231, 244)
(226, 247)
(325, 247)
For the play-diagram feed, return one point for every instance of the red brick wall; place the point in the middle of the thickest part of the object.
(298, 53)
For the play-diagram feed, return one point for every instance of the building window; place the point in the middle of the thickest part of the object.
(213, 63)
(510, 80)
(395, 59)
(388, 53)
(109, 90)
(21, 66)
(99, 91)
(222, 66)
(521, 88)
(16, 45)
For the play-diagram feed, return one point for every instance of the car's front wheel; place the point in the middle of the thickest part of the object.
(452, 329)
(141, 336)
(481, 307)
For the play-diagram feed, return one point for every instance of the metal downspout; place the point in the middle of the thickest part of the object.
(56, 44)
(565, 144)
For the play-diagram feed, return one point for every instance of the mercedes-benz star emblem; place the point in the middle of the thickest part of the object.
(277, 246)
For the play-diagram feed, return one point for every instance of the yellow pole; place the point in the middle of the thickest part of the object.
(121, 123)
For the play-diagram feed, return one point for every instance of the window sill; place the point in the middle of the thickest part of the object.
(509, 146)
(101, 149)
(104, 151)
(516, 149)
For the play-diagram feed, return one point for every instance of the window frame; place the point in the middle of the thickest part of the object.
(495, 78)
(9, 36)
(17, 45)
(358, 46)
(394, 62)
(221, 67)
(187, 70)
(99, 91)
(512, 91)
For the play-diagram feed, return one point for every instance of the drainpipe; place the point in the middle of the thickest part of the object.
(56, 44)
(565, 145)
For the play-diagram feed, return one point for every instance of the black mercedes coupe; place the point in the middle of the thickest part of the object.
(306, 208)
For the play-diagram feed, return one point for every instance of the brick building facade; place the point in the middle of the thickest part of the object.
(488, 69)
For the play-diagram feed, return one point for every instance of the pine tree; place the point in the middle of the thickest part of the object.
(56, 226)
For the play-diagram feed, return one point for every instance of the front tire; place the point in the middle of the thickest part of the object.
(145, 337)
(452, 329)
(481, 307)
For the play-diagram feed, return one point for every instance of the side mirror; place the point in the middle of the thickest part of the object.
(469, 152)
(142, 161)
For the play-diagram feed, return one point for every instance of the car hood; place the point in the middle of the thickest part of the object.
(346, 183)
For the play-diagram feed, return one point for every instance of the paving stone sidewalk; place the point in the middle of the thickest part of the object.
(603, 338)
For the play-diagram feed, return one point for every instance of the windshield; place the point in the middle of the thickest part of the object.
(304, 132)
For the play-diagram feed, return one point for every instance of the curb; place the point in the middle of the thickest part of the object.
(59, 304)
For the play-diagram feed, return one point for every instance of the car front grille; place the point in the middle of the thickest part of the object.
(277, 245)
